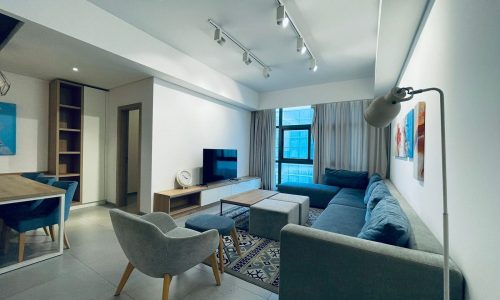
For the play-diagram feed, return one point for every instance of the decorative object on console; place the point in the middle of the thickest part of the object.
(184, 178)
(7, 128)
(419, 145)
(380, 113)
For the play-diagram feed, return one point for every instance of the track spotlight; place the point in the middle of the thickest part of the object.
(312, 65)
(301, 46)
(218, 36)
(247, 59)
(281, 17)
(266, 72)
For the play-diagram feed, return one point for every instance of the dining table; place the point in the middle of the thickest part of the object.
(17, 189)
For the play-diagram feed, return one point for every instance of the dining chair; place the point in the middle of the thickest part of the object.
(157, 247)
(45, 214)
(16, 208)
(31, 175)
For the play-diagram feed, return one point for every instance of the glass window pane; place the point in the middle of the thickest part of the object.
(277, 117)
(297, 115)
(296, 173)
(295, 144)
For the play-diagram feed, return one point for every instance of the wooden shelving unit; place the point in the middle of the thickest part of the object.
(65, 132)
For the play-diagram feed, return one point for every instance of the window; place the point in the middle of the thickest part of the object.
(294, 146)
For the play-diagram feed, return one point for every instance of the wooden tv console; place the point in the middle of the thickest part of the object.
(178, 202)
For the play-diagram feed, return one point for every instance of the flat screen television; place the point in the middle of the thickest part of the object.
(219, 164)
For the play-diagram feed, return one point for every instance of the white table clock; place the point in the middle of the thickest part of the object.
(184, 178)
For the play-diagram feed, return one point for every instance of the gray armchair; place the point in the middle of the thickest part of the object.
(157, 247)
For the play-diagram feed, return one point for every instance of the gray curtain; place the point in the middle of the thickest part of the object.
(343, 139)
(262, 141)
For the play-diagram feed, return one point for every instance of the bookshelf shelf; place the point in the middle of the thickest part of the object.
(65, 132)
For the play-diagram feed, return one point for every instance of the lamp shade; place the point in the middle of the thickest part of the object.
(384, 109)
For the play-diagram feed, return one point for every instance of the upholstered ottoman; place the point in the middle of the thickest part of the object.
(302, 201)
(224, 225)
(268, 216)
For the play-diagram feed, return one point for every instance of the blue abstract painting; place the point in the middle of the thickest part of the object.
(7, 128)
(409, 134)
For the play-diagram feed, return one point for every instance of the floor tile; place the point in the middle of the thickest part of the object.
(93, 266)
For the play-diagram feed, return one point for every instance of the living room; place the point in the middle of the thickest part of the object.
(304, 113)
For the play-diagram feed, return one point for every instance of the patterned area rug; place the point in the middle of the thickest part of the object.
(260, 261)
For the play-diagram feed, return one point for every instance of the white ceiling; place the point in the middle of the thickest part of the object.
(342, 34)
(46, 54)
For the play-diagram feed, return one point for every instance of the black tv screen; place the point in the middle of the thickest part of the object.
(219, 164)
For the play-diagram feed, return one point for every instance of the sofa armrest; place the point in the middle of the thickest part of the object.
(317, 264)
(319, 194)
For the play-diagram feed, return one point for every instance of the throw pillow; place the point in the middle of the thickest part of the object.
(379, 192)
(345, 178)
(388, 224)
(375, 178)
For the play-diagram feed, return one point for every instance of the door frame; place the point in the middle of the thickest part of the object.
(122, 143)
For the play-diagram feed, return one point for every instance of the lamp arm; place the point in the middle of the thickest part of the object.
(446, 269)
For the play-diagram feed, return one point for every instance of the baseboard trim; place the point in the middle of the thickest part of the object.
(91, 204)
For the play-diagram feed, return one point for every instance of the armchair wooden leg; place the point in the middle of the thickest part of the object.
(213, 263)
(166, 286)
(236, 241)
(66, 242)
(22, 239)
(51, 231)
(221, 254)
(46, 230)
(125, 276)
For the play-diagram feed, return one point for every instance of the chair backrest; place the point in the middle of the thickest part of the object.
(51, 205)
(46, 179)
(142, 242)
(70, 187)
(31, 175)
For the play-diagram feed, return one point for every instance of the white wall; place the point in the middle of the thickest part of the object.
(458, 52)
(321, 93)
(121, 38)
(184, 123)
(133, 152)
(137, 92)
(31, 96)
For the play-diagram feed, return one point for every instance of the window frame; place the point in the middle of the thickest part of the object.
(281, 131)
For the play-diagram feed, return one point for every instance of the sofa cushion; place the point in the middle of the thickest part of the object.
(379, 192)
(319, 194)
(375, 178)
(341, 219)
(346, 179)
(388, 224)
(349, 197)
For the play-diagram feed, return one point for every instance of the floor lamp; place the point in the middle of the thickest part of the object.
(380, 113)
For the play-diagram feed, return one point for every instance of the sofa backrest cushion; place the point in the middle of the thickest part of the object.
(372, 183)
(346, 179)
(379, 192)
(388, 224)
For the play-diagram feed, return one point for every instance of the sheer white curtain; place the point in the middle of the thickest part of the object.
(343, 140)
(262, 135)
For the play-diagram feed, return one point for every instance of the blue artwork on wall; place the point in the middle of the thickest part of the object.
(409, 134)
(7, 128)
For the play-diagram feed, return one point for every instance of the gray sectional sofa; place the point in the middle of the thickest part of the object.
(342, 257)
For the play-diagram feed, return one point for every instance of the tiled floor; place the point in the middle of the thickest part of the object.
(92, 268)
